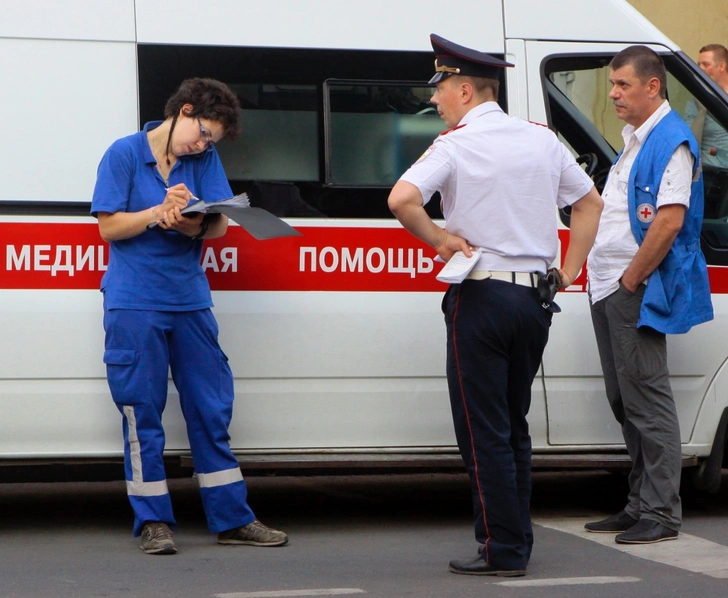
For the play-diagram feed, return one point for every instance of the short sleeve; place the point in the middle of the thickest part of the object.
(574, 183)
(677, 179)
(432, 171)
(114, 178)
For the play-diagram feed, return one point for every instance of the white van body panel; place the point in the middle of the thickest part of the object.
(380, 24)
(89, 20)
(597, 21)
(77, 97)
(316, 369)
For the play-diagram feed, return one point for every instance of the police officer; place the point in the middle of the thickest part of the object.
(501, 180)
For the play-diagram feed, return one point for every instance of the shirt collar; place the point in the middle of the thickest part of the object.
(646, 127)
(480, 110)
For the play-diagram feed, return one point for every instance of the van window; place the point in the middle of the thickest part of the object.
(325, 133)
(583, 114)
(376, 130)
(279, 134)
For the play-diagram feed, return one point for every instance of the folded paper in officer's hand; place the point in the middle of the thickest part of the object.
(457, 269)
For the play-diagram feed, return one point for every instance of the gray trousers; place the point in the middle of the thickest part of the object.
(634, 362)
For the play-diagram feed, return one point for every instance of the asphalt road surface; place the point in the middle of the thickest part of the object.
(374, 536)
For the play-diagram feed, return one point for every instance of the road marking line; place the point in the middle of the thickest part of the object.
(687, 552)
(281, 593)
(567, 581)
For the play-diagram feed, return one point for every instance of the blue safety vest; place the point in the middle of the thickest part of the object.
(677, 296)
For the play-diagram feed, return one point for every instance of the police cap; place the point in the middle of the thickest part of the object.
(454, 59)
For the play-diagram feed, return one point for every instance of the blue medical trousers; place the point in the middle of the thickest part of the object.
(496, 334)
(141, 347)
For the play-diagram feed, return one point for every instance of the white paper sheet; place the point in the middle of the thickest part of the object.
(459, 266)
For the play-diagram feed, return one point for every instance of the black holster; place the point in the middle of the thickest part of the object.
(548, 286)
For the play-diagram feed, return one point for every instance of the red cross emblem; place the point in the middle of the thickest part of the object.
(645, 212)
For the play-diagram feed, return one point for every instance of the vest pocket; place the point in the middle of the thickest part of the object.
(662, 291)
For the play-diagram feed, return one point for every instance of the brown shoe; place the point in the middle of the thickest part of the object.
(253, 534)
(157, 538)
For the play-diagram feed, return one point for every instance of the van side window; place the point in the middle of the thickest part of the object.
(376, 131)
(582, 113)
(279, 134)
(325, 133)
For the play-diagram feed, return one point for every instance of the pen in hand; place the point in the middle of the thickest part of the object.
(192, 199)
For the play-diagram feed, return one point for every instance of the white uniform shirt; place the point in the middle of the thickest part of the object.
(501, 179)
(615, 245)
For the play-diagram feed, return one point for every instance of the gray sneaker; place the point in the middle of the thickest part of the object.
(157, 538)
(253, 534)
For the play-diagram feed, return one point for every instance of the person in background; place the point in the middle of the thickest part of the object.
(501, 180)
(711, 136)
(157, 312)
(647, 278)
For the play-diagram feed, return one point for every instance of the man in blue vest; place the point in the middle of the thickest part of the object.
(647, 278)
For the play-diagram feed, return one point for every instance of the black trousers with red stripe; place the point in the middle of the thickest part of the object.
(496, 334)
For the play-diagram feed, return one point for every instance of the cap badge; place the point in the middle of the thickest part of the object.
(446, 69)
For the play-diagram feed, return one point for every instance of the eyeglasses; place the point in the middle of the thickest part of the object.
(205, 135)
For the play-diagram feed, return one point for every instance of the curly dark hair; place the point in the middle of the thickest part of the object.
(210, 99)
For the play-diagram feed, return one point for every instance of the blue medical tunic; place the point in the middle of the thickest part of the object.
(158, 269)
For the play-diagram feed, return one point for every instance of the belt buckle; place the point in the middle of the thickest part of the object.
(480, 275)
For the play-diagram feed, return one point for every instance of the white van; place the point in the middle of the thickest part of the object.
(335, 337)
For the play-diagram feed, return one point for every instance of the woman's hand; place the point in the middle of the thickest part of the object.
(187, 225)
(177, 197)
(170, 215)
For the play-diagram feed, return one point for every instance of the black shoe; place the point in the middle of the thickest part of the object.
(647, 531)
(620, 522)
(478, 566)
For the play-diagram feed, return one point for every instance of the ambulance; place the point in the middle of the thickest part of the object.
(335, 337)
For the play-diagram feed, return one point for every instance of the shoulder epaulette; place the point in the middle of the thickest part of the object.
(453, 129)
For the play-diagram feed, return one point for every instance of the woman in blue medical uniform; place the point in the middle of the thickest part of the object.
(157, 312)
